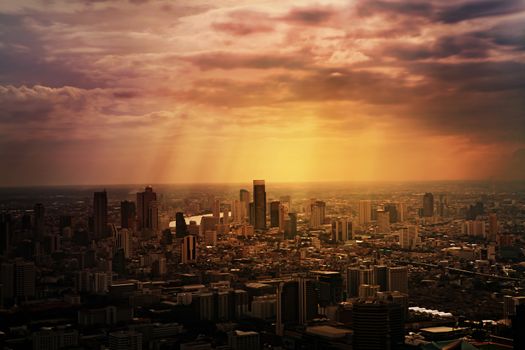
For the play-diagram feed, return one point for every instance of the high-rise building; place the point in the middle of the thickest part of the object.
(398, 279)
(428, 205)
(401, 211)
(244, 196)
(381, 277)
(409, 237)
(283, 216)
(5, 233)
(342, 230)
(216, 208)
(474, 228)
(39, 224)
(25, 279)
(189, 249)
(377, 325)
(493, 226)
(237, 212)
(100, 214)
(259, 204)
(290, 230)
(181, 229)
(128, 213)
(147, 210)
(391, 209)
(7, 280)
(317, 214)
(123, 241)
(274, 213)
(365, 212)
(383, 221)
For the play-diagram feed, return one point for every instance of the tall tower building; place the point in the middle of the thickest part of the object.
(128, 212)
(100, 214)
(216, 208)
(290, 230)
(317, 214)
(409, 237)
(259, 203)
(283, 215)
(123, 241)
(181, 229)
(365, 212)
(244, 196)
(39, 226)
(274, 213)
(493, 226)
(189, 249)
(147, 210)
(383, 221)
(5, 233)
(428, 205)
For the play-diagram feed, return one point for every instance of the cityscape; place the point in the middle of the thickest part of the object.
(281, 266)
(262, 174)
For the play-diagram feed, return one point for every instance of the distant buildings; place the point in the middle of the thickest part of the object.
(100, 214)
(428, 205)
(365, 212)
(147, 210)
(189, 249)
(259, 204)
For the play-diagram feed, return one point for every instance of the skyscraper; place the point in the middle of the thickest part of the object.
(259, 203)
(128, 212)
(409, 237)
(244, 196)
(317, 214)
(5, 232)
(189, 249)
(291, 229)
(181, 229)
(365, 212)
(383, 221)
(147, 210)
(39, 221)
(341, 230)
(428, 205)
(25, 279)
(100, 214)
(274, 213)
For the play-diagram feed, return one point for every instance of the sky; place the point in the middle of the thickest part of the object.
(112, 92)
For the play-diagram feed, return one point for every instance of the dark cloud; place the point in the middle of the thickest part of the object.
(464, 46)
(408, 8)
(479, 9)
(310, 15)
(225, 60)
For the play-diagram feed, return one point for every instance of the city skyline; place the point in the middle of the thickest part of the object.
(225, 91)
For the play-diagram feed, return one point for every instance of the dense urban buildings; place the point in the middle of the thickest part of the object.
(340, 267)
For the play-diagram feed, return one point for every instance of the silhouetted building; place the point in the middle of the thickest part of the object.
(475, 210)
(100, 214)
(391, 209)
(290, 229)
(147, 210)
(128, 213)
(189, 249)
(377, 325)
(398, 279)
(5, 232)
(428, 205)
(244, 196)
(518, 325)
(39, 224)
(259, 204)
(181, 229)
(274, 213)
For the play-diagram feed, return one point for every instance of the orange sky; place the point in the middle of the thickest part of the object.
(227, 91)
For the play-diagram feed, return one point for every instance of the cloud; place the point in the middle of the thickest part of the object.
(309, 15)
(479, 9)
(227, 60)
